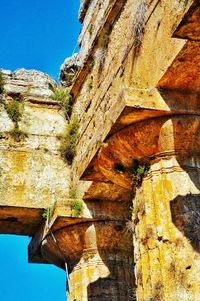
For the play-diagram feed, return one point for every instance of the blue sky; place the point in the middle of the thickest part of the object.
(37, 34)
(20, 281)
(34, 34)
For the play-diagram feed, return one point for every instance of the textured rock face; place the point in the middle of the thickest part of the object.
(136, 98)
(98, 253)
(69, 70)
(28, 82)
(139, 87)
(30, 161)
(166, 217)
(83, 9)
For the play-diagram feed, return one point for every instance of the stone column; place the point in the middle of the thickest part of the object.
(100, 260)
(166, 216)
(166, 207)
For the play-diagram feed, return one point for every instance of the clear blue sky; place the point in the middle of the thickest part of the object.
(37, 34)
(34, 34)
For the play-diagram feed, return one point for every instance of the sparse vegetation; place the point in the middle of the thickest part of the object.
(77, 207)
(17, 134)
(45, 214)
(68, 140)
(13, 110)
(69, 137)
(48, 212)
(76, 204)
(2, 83)
(64, 97)
(142, 170)
(90, 28)
(138, 171)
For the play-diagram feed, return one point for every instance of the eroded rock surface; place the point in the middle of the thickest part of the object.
(83, 9)
(69, 69)
(28, 83)
(32, 172)
(132, 227)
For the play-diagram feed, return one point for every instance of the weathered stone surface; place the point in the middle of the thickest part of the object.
(136, 97)
(84, 4)
(166, 253)
(142, 84)
(33, 174)
(189, 27)
(146, 140)
(69, 69)
(97, 252)
(22, 221)
(28, 82)
(102, 102)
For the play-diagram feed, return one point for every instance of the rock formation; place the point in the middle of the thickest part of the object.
(123, 216)
(69, 69)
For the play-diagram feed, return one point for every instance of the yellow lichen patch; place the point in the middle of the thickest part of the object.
(165, 256)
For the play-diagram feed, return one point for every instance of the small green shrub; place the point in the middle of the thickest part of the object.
(142, 170)
(2, 82)
(64, 97)
(139, 168)
(77, 207)
(90, 28)
(68, 140)
(45, 214)
(138, 171)
(48, 212)
(17, 134)
(14, 111)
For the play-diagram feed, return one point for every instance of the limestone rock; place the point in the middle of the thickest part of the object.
(83, 9)
(30, 162)
(28, 82)
(69, 69)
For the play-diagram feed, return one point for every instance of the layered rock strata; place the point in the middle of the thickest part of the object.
(33, 174)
